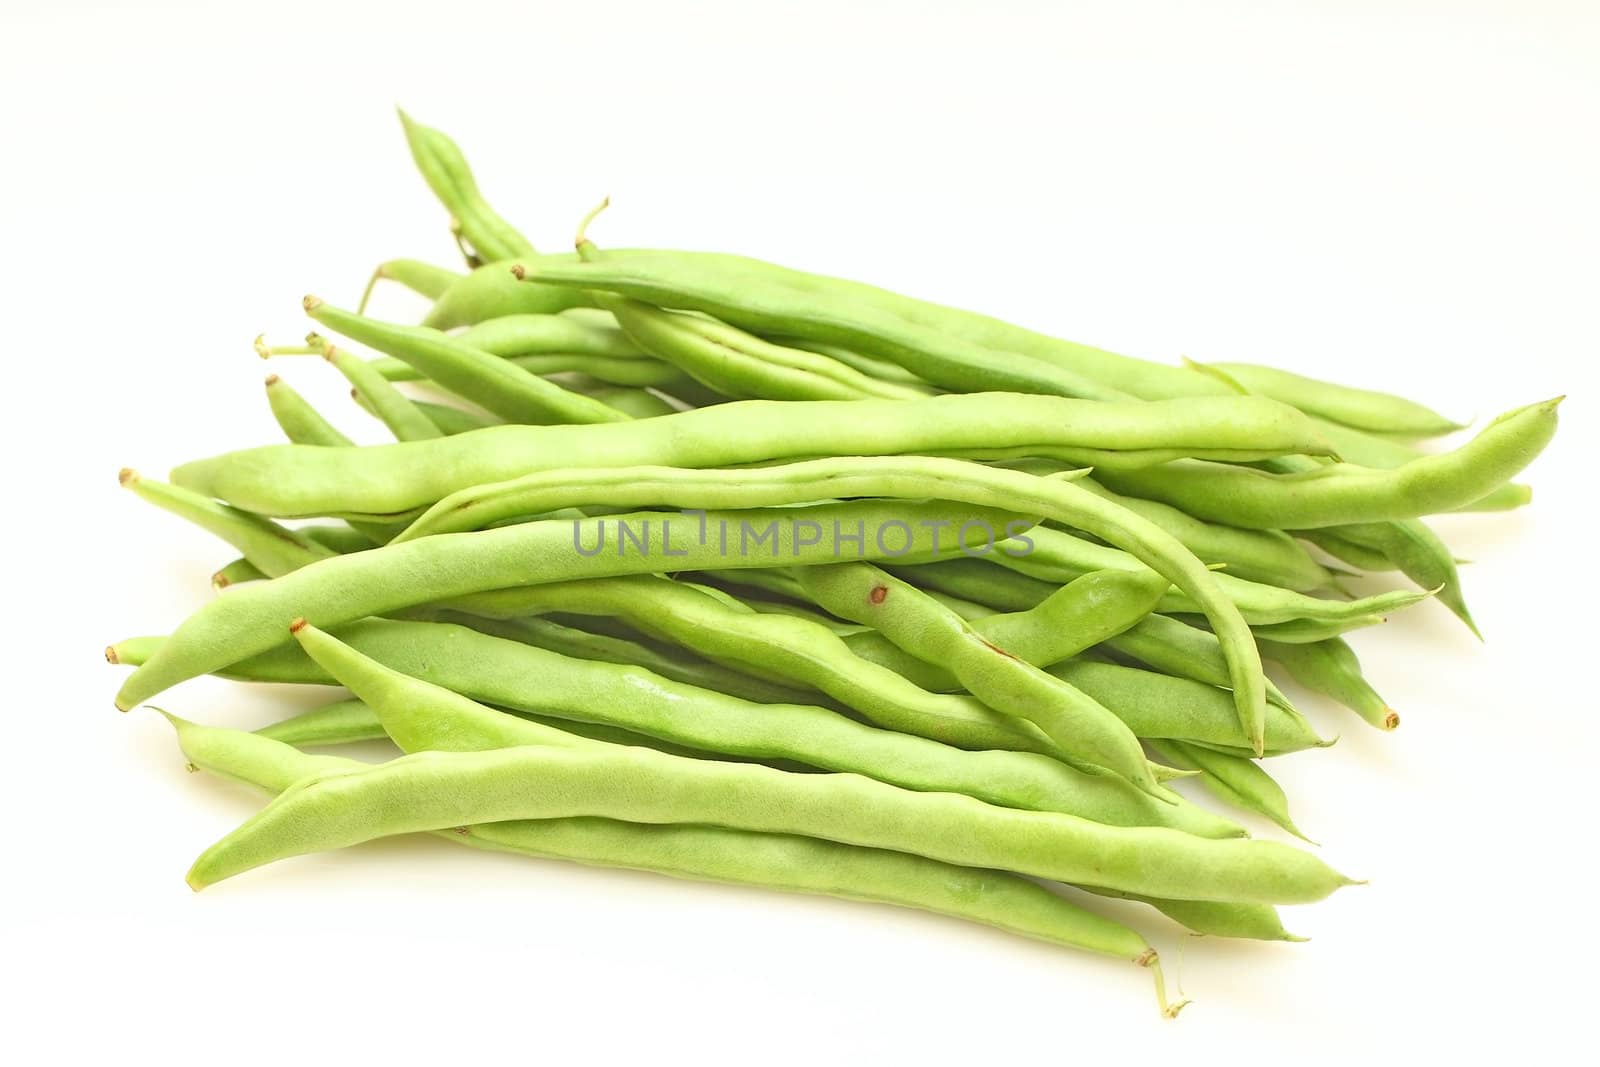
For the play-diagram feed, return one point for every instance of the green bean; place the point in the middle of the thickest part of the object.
(741, 365)
(794, 649)
(578, 643)
(338, 723)
(498, 386)
(1332, 541)
(235, 572)
(300, 422)
(1258, 922)
(979, 581)
(639, 371)
(445, 418)
(392, 577)
(768, 299)
(1236, 780)
(445, 170)
(1340, 494)
(1508, 497)
(1174, 647)
(630, 400)
(1417, 552)
(719, 854)
(271, 548)
(1304, 631)
(917, 478)
(385, 480)
(1271, 557)
(1082, 613)
(421, 278)
(1160, 706)
(1085, 733)
(442, 790)
(374, 392)
(1360, 409)
(1059, 557)
(1366, 449)
(492, 291)
(1330, 667)
(528, 335)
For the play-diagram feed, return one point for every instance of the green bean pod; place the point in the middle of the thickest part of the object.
(443, 790)
(737, 857)
(271, 548)
(1330, 667)
(446, 418)
(234, 573)
(1236, 780)
(386, 579)
(1174, 647)
(1360, 409)
(491, 382)
(300, 422)
(492, 291)
(421, 278)
(1341, 494)
(445, 170)
(376, 394)
(338, 723)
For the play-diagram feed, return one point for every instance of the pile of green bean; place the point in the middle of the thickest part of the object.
(700, 565)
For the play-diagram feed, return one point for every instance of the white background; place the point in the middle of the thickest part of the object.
(1400, 195)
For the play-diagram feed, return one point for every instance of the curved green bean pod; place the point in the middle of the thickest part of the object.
(528, 335)
(441, 790)
(1174, 647)
(1361, 409)
(632, 401)
(1256, 922)
(739, 364)
(271, 548)
(445, 170)
(638, 371)
(338, 723)
(1417, 552)
(1305, 631)
(300, 422)
(491, 382)
(385, 480)
(1332, 541)
(386, 579)
(1330, 667)
(377, 395)
(1340, 494)
(872, 366)
(1162, 706)
(1082, 613)
(1236, 780)
(737, 857)
(421, 278)
(768, 299)
(1085, 732)
(1271, 557)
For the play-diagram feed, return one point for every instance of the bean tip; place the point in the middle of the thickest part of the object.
(260, 345)
(1391, 718)
(272, 379)
(111, 655)
(127, 476)
(219, 582)
(298, 624)
(519, 272)
(311, 303)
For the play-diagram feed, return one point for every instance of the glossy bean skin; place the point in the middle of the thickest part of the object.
(955, 349)
(285, 481)
(742, 365)
(269, 547)
(1085, 733)
(718, 854)
(1271, 557)
(1077, 616)
(386, 579)
(441, 790)
(1360, 409)
(445, 170)
(1341, 494)
(800, 651)
(1330, 667)
(1162, 706)
(421, 278)
(486, 380)
(301, 423)
(1235, 780)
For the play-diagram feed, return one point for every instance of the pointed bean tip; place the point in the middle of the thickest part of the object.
(1296, 938)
